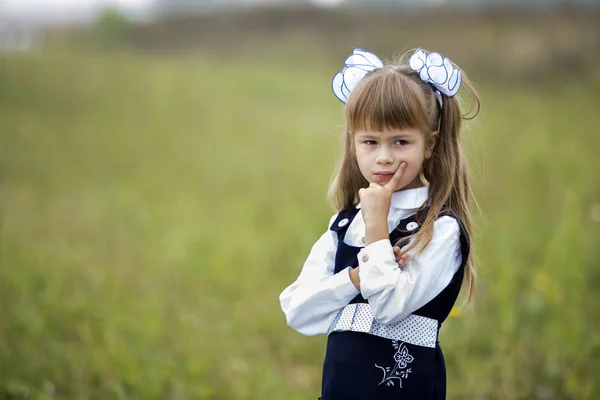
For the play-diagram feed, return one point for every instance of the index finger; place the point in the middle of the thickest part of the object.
(395, 180)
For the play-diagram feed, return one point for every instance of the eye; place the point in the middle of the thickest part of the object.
(401, 142)
(370, 142)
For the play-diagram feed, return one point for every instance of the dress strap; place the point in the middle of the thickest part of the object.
(343, 221)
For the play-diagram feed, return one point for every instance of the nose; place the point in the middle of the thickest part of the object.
(384, 156)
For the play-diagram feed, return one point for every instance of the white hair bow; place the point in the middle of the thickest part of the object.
(356, 67)
(432, 68)
(437, 70)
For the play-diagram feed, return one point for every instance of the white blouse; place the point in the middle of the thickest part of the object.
(312, 302)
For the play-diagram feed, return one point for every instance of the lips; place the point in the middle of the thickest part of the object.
(383, 175)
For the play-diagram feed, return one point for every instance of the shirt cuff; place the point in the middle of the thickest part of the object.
(379, 253)
(342, 285)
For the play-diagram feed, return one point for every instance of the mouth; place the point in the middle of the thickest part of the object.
(383, 175)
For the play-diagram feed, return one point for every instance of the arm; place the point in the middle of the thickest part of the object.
(400, 260)
(394, 293)
(311, 303)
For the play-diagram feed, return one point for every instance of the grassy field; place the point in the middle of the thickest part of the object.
(153, 208)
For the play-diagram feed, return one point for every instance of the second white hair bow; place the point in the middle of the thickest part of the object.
(432, 68)
(437, 70)
(356, 67)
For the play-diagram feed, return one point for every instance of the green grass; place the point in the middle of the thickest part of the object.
(152, 210)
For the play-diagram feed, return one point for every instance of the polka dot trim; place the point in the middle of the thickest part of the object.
(363, 318)
(347, 315)
(414, 329)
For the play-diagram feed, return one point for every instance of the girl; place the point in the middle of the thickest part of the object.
(401, 184)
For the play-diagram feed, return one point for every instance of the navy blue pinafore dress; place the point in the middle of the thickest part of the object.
(366, 360)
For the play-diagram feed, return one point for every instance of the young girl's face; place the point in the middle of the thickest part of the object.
(379, 155)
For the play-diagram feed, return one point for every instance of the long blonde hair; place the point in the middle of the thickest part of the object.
(394, 97)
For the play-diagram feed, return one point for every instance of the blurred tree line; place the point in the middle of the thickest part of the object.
(186, 6)
(510, 42)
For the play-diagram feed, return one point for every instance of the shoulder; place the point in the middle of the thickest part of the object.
(446, 232)
(332, 220)
(449, 228)
(450, 220)
(446, 224)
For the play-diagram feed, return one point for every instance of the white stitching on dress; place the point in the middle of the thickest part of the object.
(399, 371)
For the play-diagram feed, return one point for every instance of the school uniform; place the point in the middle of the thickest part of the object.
(382, 340)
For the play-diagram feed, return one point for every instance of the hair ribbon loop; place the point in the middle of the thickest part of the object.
(432, 68)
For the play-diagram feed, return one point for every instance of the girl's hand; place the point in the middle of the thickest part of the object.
(375, 206)
(400, 259)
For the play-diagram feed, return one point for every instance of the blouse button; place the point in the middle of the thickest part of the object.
(363, 240)
(411, 226)
(365, 257)
(343, 222)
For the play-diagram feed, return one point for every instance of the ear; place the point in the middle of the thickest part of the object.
(430, 144)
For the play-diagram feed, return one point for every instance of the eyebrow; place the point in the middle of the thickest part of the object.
(368, 135)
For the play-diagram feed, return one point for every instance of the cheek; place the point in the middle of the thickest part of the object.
(362, 155)
(415, 163)
(413, 158)
(360, 160)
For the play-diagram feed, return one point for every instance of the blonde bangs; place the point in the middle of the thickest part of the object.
(387, 99)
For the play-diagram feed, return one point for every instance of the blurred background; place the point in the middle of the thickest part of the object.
(163, 175)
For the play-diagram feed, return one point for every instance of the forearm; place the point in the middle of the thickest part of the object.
(375, 233)
(383, 283)
(311, 305)
(393, 293)
(376, 230)
(355, 277)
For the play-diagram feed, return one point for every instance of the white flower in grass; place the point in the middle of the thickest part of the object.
(359, 64)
